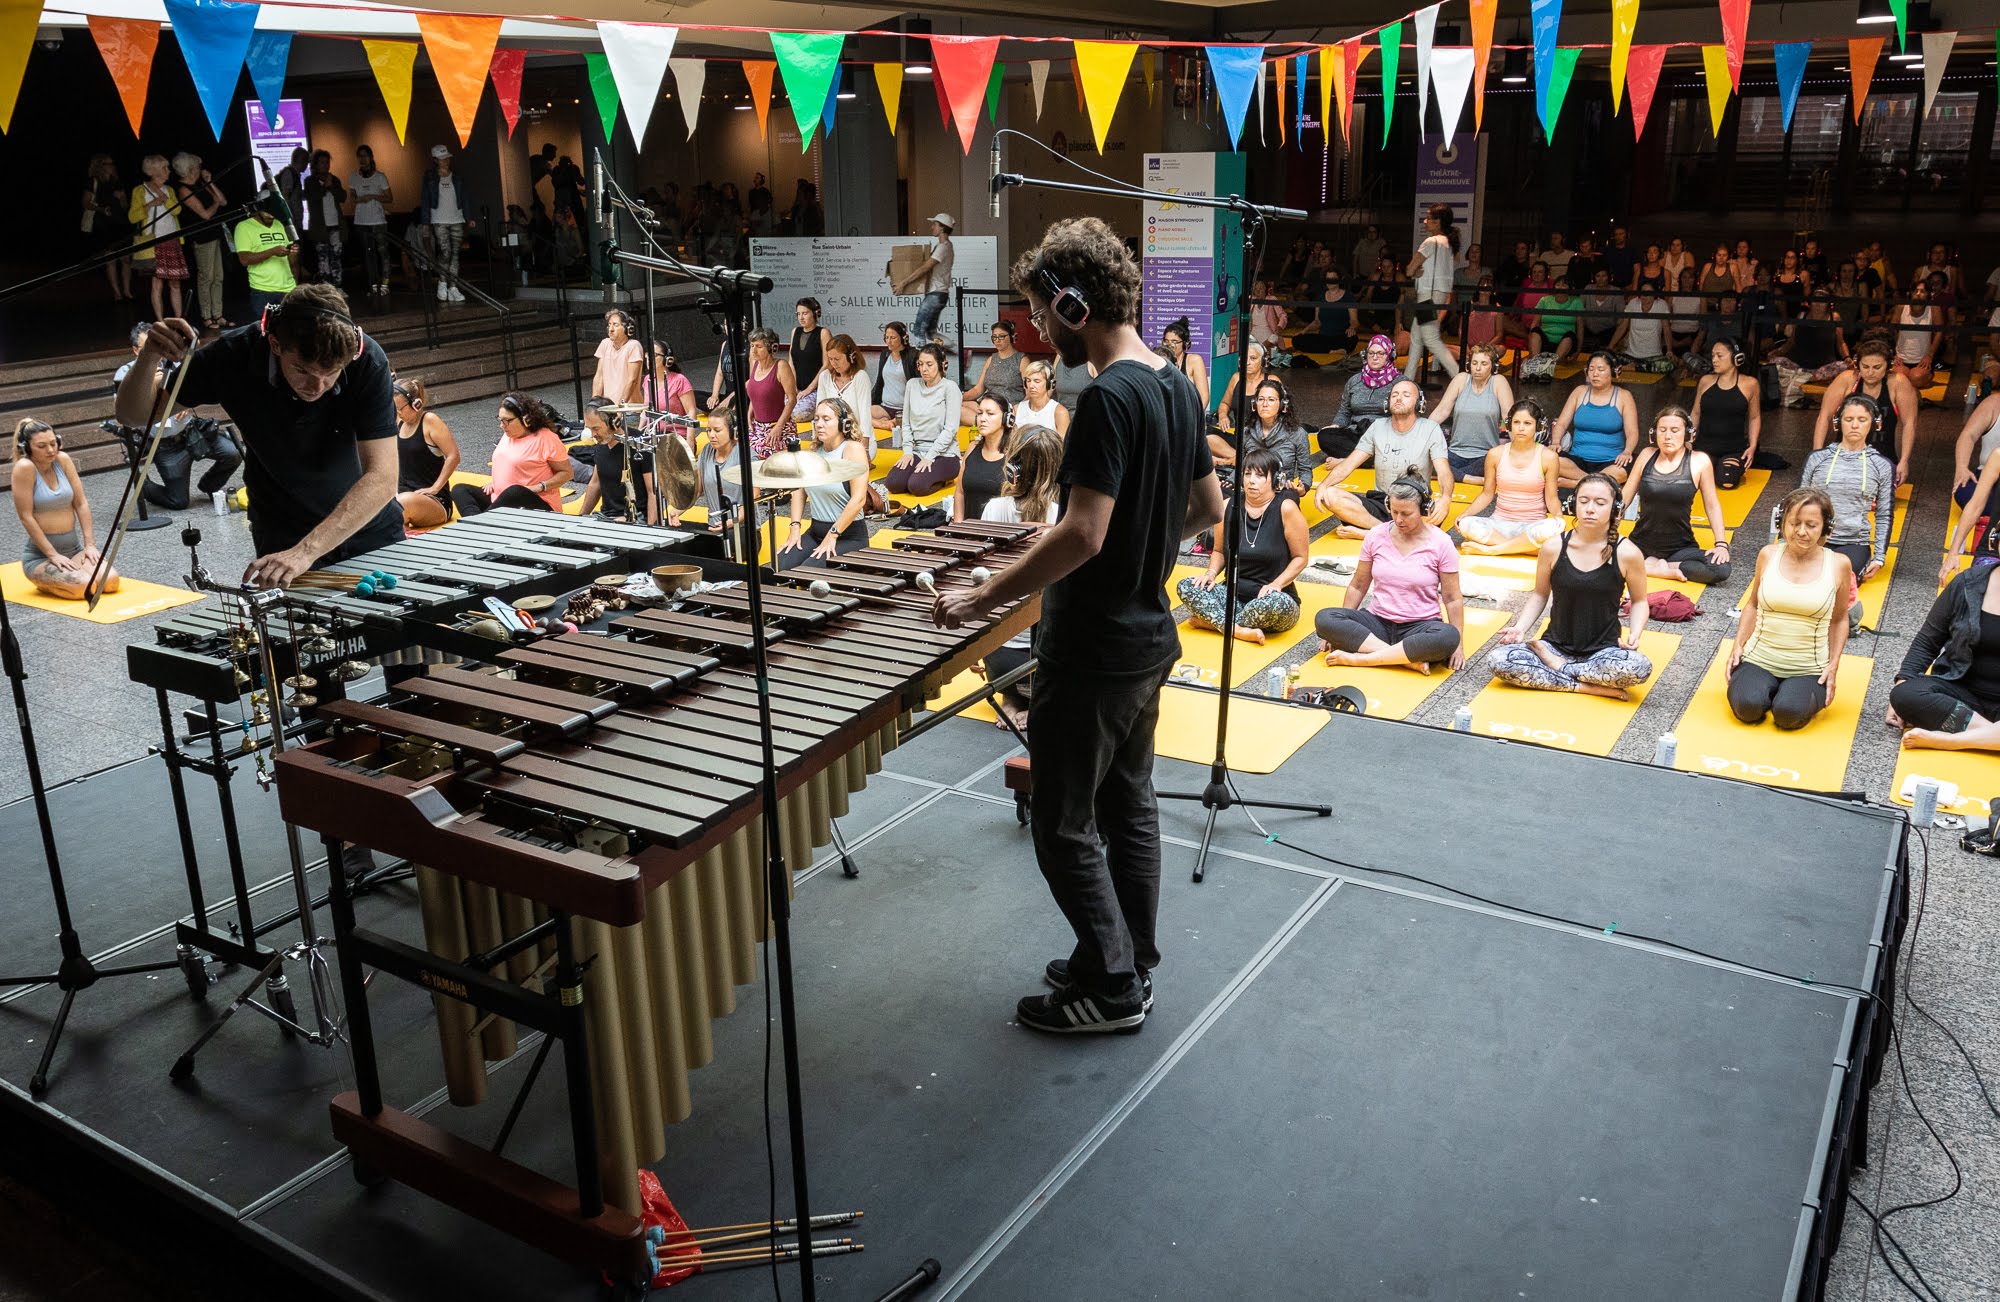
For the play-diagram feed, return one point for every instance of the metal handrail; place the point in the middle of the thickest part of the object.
(427, 266)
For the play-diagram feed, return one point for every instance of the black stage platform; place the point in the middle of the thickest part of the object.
(1351, 1084)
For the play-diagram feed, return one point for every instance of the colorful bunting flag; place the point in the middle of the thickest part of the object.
(127, 46)
(1642, 78)
(1299, 100)
(1278, 69)
(1715, 67)
(1237, 70)
(1789, 59)
(1451, 70)
(1937, 53)
(1901, 10)
(506, 71)
(603, 90)
(1735, 22)
(944, 105)
(691, 76)
(961, 65)
(889, 85)
(1544, 18)
(1559, 79)
(758, 72)
(993, 83)
(214, 37)
(18, 20)
(832, 99)
(1624, 22)
(639, 53)
(1261, 98)
(1426, 20)
(1862, 52)
(1076, 84)
(393, 63)
(267, 57)
(808, 62)
(1103, 66)
(461, 48)
(1149, 69)
(1355, 54)
(1483, 13)
(1038, 78)
(1329, 61)
(1392, 53)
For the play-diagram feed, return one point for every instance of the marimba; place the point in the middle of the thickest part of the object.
(594, 800)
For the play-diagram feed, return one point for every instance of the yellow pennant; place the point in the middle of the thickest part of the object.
(1624, 22)
(889, 82)
(394, 62)
(1330, 61)
(17, 37)
(1715, 66)
(1103, 66)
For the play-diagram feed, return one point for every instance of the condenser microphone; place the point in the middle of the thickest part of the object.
(993, 177)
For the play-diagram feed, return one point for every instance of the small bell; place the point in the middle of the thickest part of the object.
(302, 681)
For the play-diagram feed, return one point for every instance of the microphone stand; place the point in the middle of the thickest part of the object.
(1220, 792)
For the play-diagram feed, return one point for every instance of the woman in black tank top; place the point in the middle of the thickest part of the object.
(1270, 537)
(808, 355)
(1579, 579)
(984, 471)
(1728, 414)
(426, 456)
(1668, 477)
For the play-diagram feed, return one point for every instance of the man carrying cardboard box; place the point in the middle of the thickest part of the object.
(934, 275)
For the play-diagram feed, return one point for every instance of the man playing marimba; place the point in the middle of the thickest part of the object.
(1136, 480)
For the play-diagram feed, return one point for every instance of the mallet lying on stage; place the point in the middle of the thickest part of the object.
(365, 585)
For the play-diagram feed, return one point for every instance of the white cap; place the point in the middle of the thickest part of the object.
(943, 219)
(440, 151)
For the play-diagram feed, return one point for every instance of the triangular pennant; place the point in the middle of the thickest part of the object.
(1901, 10)
(506, 73)
(393, 63)
(1329, 63)
(832, 99)
(1544, 18)
(1392, 53)
(889, 85)
(1038, 78)
(758, 73)
(1642, 78)
(1451, 72)
(1356, 54)
(691, 75)
(993, 85)
(1278, 67)
(603, 90)
(639, 53)
(1427, 21)
(1299, 99)
(1483, 14)
(1559, 79)
(1735, 22)
(1148, 69)
(1076, 84)
(267, 58)
(214, 37)
(808, 62)
(1862, 52)
(461, 48)
(1624, 22)
(1104, 67)
(1715, 67)
(1236, 69)
(127, 46)
(1789, 60)
(1937, 53)
(1262, 97)
(961, 65)
(944, 105)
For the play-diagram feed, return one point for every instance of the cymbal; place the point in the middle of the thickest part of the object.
(622, 408)
(677, 473)
(789, 470)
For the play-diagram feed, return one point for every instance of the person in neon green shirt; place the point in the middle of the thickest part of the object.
(1555, 322)
(268, 253)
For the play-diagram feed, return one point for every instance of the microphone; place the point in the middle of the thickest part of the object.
(272, 202)
(600, 203)
(993, 177)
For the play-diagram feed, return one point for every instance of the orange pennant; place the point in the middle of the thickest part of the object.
(461, 48)
(1861, 55)
(1283, 100)
(127, 45)
(1483, 13)
(760, 72)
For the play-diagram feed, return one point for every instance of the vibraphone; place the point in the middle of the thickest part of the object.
(595, 800)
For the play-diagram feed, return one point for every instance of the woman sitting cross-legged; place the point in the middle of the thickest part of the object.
(1599, 425)
(1519, 483)
(1947, 691)
(59, 551)
(1667, 477)
(530, 463)
(931, 406)
(835, 509)
(1794, 621)
(1861, 484)
(1409, 567)
(1579, 579)
(1271, 541)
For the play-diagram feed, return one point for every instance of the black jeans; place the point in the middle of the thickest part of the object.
(1791, 702)
(851, 539)
(471, 499)
(1940, 704)
(374, 253)
(1697, 568)
(174, 462)
(1090, 740)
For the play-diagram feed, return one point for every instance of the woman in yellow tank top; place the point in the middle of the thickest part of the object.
(1794, 621)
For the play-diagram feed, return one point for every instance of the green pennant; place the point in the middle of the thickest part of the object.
(993, 91)
(1392, 53)
(1559, 74)
(604, 90)
(808, 62)
(1901, 8)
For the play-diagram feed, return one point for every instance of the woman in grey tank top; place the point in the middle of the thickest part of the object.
(1472, 405)
(58, 553)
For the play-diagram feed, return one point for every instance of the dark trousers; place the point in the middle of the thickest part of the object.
(1004, 660)
(1336, 441)
(1424, 641)
(1096, 821)
(174, 462)
(1791, 702)
(471, 499)
(851, 539)
(374, 253)
(1697, 568)
(1940, 704)
(922, 483)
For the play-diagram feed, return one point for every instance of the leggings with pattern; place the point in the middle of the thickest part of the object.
(1274, 612)
(1611, 666)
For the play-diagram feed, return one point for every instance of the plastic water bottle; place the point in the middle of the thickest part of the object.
(1924, 802)
(1666, 750)
(1276, 679)
(1461, 720)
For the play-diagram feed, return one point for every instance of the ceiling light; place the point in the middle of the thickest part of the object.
(1875, 11)
(845, 94)
(917, 69)
(741, 108)
(1911, 56)
(1514, 70)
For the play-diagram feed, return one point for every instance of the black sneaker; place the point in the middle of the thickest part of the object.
(1075, 1011)
(1057, 975)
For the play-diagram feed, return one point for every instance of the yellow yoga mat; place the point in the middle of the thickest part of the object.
(1515, 572)
(1574, 721)
(1736, 502)
(1395, 693)
(1262, 734)
(1335, 545)
(1812, 759)
(1976, 774)
(1202, 647)
(134, 597)
(966, 684)
(885, 461)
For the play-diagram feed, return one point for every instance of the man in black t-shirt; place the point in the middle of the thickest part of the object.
(310, 397)
(1136, 480)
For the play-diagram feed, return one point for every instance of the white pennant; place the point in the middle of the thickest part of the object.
(638, 55)
(1427, 21)
(1937, 52)
(690, 75)
(1038, 75)
(1451, 69)
(1262, 86)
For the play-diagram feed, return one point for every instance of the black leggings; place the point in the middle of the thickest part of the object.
(1336, 441)
(852, 539)
(1696, 567)
(1004, 660)
(1791, 702)
(1424, 641)
(471, 499)
(1940, 704)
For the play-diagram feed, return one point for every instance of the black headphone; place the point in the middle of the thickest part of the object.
(1423, 487)
(1284, 397)
(1736, 353)
(1423, 403)
(275, 312)
(613, 420)
(630, 322)
(1611, 359)
(26, 435)
(409, 394)
(1066, 303)
(1541, 418)
(843, 418)
(1873, 408)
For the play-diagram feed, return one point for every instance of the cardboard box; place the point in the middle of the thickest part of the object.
(904, 259)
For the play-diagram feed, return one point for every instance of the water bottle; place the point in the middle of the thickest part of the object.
(1461, 721)
(1924, 802)
(1276, 679)
(1666, 750)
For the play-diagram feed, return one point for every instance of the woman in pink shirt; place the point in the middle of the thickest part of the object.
(1410, 568)
(669, 390)
(530, 465)
(621, 361)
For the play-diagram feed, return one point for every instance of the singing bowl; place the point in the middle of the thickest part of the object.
(675, 579)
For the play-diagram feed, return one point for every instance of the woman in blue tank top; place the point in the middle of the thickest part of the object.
(1599, 425)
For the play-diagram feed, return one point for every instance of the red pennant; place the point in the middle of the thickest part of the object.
(1861, 56)
(963, 65)
(506, 73)
(944, 105)
(1355, 54)
(1735, 21)
(1642, 78)
(1076, 83)
(127, 45)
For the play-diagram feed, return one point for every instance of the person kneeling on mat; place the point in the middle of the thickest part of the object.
(1271, 539)
(1405, 444)
(1947, 690)
(1579, 578)
(1794, 621)
(1409, 567)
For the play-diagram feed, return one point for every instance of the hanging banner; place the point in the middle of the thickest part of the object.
(889, 85)
(1452, 171)
(1392, 53)
(1427, 21)
(639, 54)
(993, 84)
(961, 65)
(1038, 77)
(1937, 53)
(850, 277)
(1789, 61)
(691, 75)
(1559, 79)
(1451, 72)
(1735, 22)
(1642, 78)
(267, 58)
(1862, 52)
(1624, 22)
(394, 62)
(506, 70)
(603, 90)
(214, 37)
(758, 72)
(1191, 261)
(1715, 68)
(461, 48)
(1104, 66)
(1483, 13)
(127, 46)
(1278, 70)
(1236, 69)
(808, 63)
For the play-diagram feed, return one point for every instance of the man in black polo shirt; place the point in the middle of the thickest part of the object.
(310, 397)
(1136, 480)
